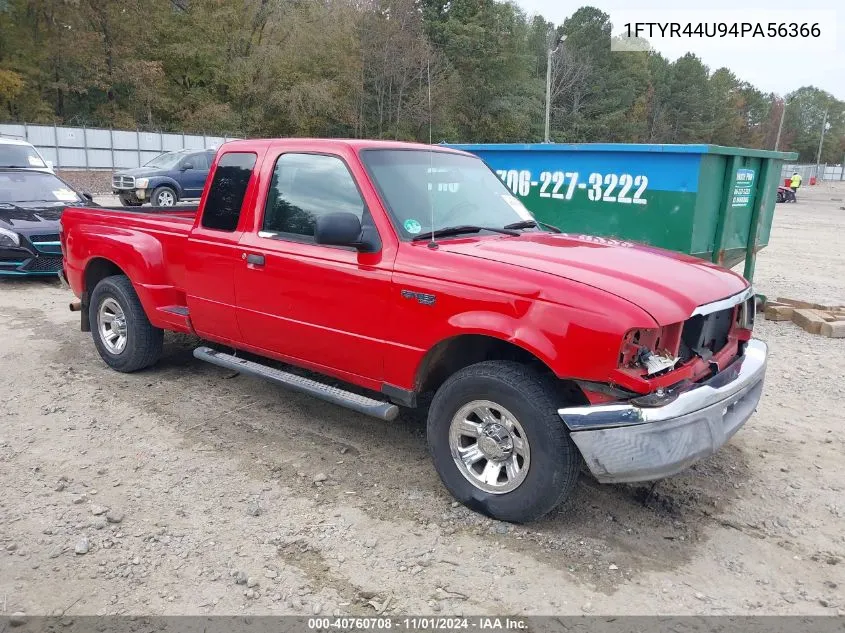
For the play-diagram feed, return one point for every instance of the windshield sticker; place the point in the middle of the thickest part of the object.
(65, 195)
(34, 161)
(517, 206)
(412, 226)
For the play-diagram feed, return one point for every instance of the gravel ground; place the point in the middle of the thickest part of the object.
(187, 490)
(97, 182)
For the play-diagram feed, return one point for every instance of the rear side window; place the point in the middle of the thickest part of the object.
(198, 161)
(226, 195)
(306, 186)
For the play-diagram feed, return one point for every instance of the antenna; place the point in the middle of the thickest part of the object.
(431, 243)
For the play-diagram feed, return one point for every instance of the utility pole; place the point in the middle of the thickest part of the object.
(821, 141)
(780, 126)
(551, 52)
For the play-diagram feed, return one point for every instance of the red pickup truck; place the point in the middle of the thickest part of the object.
(407, 270)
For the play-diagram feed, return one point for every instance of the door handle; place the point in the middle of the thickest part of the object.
(255, 260)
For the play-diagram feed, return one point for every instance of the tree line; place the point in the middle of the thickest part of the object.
(454, 70)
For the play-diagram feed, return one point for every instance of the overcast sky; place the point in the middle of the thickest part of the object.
(773, 66)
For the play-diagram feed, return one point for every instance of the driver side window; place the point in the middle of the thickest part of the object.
(304, 187)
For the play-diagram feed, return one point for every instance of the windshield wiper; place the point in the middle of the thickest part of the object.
(530, 224)
(463, 228)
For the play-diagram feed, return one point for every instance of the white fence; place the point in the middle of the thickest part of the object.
(825, 172)
(97, 148)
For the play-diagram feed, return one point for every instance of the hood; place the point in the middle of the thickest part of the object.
(31, 216)
(142, 172)
(667, 285)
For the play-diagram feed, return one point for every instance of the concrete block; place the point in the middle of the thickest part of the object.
(795, 303)
(808, 320)
(779, 313)
(830, 304)
(833, 330)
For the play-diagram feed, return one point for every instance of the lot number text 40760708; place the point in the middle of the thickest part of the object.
(561, 185)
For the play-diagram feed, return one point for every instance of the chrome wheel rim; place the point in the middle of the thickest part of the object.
(165, 199)
(489, 446)
(111, 323)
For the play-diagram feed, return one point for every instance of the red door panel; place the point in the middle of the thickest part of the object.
(320, 304)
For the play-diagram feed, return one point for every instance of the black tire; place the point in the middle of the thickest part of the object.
(163, 190)
(531, 397)
(143, 341)
(128, 200)
(780, 196)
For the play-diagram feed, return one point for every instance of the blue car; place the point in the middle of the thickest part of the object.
(31, 203)
(165, 180)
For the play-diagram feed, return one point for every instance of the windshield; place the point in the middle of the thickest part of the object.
(166, 161)
(20, 156)
(34, 186)
(454, 190)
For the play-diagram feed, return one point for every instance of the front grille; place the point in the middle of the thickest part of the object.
(705, 334)
(44, 264)
(123, 182)
(47, 237)
(47, 243)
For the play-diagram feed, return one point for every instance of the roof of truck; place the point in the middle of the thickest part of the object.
(327, 143)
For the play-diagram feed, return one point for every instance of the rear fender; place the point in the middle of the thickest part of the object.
(139, 255)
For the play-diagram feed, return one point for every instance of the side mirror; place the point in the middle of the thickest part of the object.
(186, 167)
(344, 229)
(87, 196)
(49, 164)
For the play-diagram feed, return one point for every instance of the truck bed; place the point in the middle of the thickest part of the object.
(152, 234)
(176, 216)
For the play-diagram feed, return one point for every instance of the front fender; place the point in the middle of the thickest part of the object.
(167, 181)
(573, 342)
(506, 328)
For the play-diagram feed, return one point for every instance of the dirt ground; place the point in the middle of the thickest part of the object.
(186, 490)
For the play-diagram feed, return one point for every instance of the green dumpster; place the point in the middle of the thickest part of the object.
(710, 201)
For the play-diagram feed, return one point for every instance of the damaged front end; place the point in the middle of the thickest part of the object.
(681, 391)
(694, 349)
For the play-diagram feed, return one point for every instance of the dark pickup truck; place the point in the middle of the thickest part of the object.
(408, 270)
(165, 180)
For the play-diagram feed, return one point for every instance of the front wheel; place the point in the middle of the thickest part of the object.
(163, 197)
(123, 335)
(498, 444)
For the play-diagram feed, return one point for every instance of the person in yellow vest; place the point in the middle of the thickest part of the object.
(794, 184)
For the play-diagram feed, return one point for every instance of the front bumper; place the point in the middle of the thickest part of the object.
(134, 195)
(37, 255)
(625, 442)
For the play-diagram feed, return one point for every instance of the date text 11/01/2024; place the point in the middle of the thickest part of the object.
(417, 623)
(562, 185)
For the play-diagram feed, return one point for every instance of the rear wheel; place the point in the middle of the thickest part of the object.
(163, 197)
(780, 196)
(499, 445)
(123, 335)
